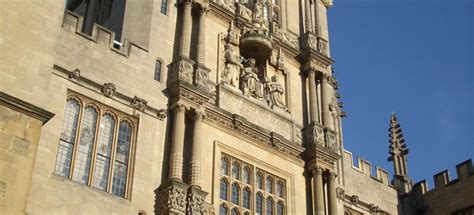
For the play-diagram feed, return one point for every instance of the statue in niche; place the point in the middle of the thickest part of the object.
(274, 93)
(244, 11)
(258, 11)
(250, 84)
(232, 67)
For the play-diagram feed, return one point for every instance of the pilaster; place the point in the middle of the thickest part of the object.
(196, 155)
(318, 191)
(332, 195)
(177, 144)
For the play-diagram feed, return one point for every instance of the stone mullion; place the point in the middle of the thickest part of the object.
(177, 144)
(318, 191)
(332, 196)
(185, 40)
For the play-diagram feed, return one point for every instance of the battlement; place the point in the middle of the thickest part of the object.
(464, 170)
(73, 22)
(365, 167)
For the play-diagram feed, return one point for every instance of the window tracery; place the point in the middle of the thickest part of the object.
(93, 148)
(247, 189)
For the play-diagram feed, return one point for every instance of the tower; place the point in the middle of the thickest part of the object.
(398, 155)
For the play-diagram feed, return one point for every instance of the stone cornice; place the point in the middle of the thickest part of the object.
(25, 108)
(238, 125)
(134, 101)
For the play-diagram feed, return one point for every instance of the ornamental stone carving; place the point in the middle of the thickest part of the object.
(286, 37)
(331, 143)
(274, 94)
(173, 198)
(108, 89)
(201, 78)
(244, 11)
(315, 135)
(184, 71)
(354, 199)
(195, 201)
(232, 34)
(233, 65)
(162, 114)
(374, 208)
(341, 193)
(322, 46)
(139, 103)
(75, 74)
(249, 81)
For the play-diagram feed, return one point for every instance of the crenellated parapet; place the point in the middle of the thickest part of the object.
(73, 22)
(464, 172)
(365, 167)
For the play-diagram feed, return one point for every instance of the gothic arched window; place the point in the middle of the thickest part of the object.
(224, 189)
(246, 198)
(269, 185)
(260, 181)
(91, 142)
(280, 189)
(280, 208)
(235, 171)
(224, 166)
(259, 203)
(269, 206)
(235, 211)
(223, 209)
(235, 193)
(246, 175)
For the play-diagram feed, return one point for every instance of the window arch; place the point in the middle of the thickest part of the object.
(235, 193)
(259, 203)
(269, 184)
(260, 181)
(224, 189)
(235, 211)
(246, 176)
(280, 208)
(223, 209)
(158, 68)
(235, 170)
(280, 189)
(269, 206)
(246, 199)
(224, 166)
(94, 149)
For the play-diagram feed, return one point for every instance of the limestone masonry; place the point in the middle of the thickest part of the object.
(226, 107)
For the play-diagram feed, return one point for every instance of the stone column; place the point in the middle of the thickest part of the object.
(195, 173)
(332, 195)
(313, 101)
(318, 191)
(327, 95)
(307, 18)
(201, 46)
(186, 28)
(177, 144)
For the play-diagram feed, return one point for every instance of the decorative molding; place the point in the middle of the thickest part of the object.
(25, 108)
(100, 88)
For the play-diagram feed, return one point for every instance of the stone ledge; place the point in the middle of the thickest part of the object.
(25, 108)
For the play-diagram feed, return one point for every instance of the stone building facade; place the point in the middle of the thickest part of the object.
(185, 107)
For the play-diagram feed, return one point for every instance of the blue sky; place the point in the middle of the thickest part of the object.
(414, 58)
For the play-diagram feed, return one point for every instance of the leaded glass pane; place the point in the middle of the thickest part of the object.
(82, 163)
(104, 146)
(280, 188)
(235, 194)
(269, 185)
(269, 208)
(223, 190)
(259, 204)
(259, 181)
(235, 171)
(246, 198)
(224, 167)
(119, 180)
(280, 208)
(222, 210)
(67, 138)
(246, 176)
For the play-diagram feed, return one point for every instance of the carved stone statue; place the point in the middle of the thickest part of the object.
(275, 93)
(232, 67)
(258, 11)
(250, 84)
(245, 12)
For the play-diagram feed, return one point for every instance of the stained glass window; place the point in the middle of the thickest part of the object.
(93, 143)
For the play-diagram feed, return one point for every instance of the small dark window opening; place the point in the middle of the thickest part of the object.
(164, 7)
(158, 71)
(107, 13)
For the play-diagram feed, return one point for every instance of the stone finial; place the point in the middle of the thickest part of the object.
(398, 149)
